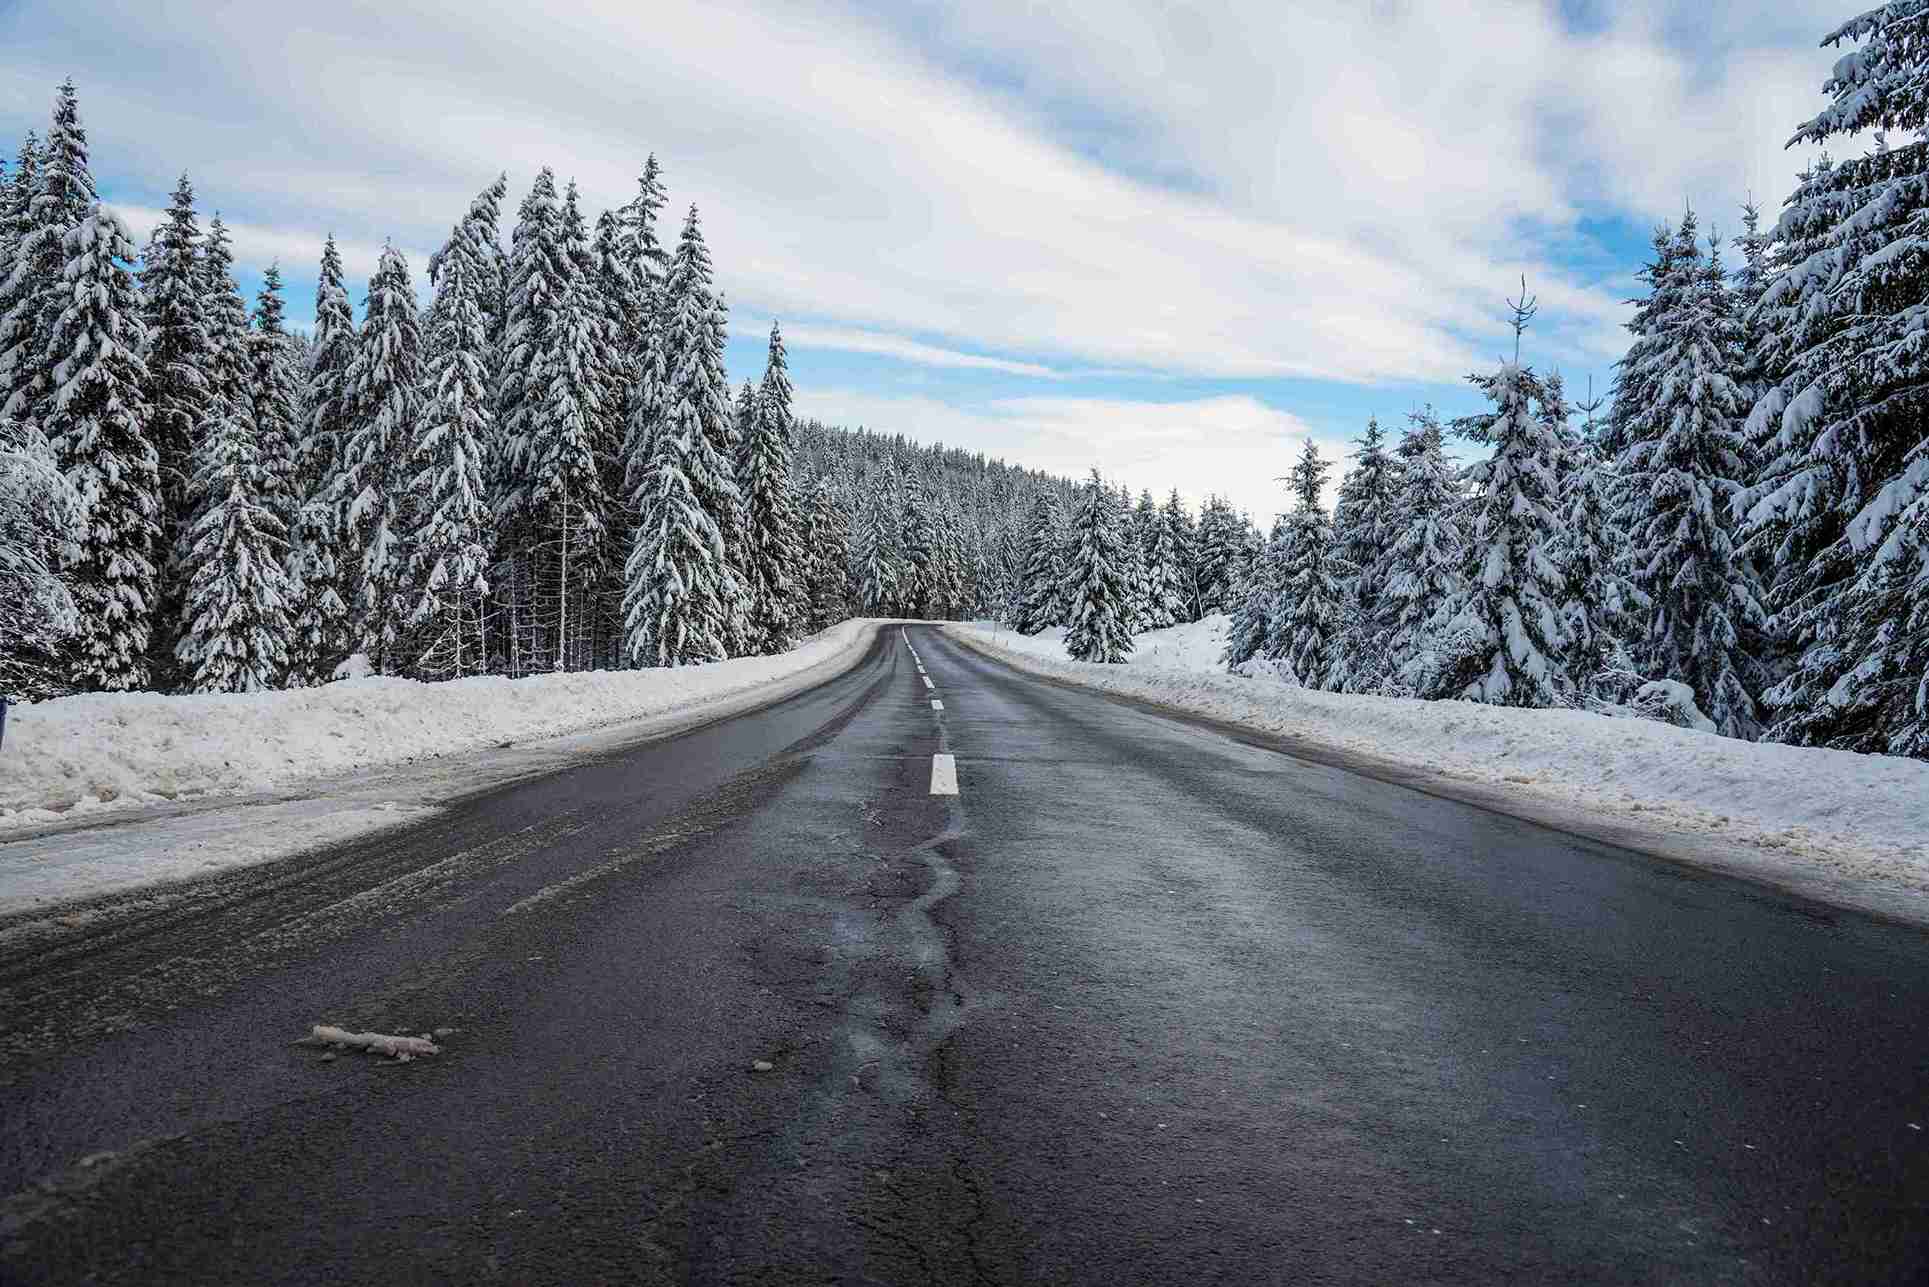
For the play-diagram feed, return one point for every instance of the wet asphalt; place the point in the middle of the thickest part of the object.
(1146, 1002)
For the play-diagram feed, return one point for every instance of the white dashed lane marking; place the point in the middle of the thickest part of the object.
(944, 775)
(936, 705)
(928, 683)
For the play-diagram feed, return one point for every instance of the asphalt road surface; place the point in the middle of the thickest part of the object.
(1143, 1002)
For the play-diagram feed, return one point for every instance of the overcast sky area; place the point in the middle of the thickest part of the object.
(1168, 241)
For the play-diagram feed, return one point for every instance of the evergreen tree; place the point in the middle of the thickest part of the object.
(97, 418)
(1182, 540)
(1305, 623)
(320, 637)
(770, 510)
(1846, 497)
(39, 514)
(1255, 599)
(1602, 611)
(180, 363)
(1681, 469)
(1637, 375)
(1096, 580)
(1038, 593)
(35, 294)
(274, 398)
(449, 550)
(16, 212)
(1420, 574)
(875, 557)
(235, 640)
(1221, 554)
(382, 387)
(1500, 632)
(1364, 527)
(1164, 595)
(680, 590)
(827, 554)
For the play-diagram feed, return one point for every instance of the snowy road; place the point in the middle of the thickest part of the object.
(940, 972)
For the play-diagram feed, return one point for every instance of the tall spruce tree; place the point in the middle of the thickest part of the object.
(1095, 579)
(680, 591)
(1038, 595)
(36, 295)
(317, 586)
(235, 628)
(383, 388)
(770, 510)
(1846, 497)
(97, 418)
(1363, 526)
(1255, 598)
(1501, 639)
(1421, 572)
(449, 548)
(1681, 471)
(39, 514)
(827, 554)
(1304, 631)
(275, 398)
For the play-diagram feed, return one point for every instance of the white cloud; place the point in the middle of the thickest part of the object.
(1252, 189)
(847, 340)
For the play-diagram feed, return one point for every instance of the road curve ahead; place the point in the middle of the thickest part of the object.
(944, 973)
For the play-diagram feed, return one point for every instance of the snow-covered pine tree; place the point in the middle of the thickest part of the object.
(1499, 636)
(383, 387)
(39, 514)
(680, 589)
(827, 556)
(1304, 632)
(97, 419)
(729, 511)
(1095, 579)
(1255, 597)
(180, 369)
(449, 549)
(773, 551)
(1681, 471)
(876, 559)
(1181, 540)
(61, 200)
(917, 548)
(1164, 600)
(16, 197)
(1221, 557)
(567, 513)
(1038, 592)
(236, 634)
(319, 612)
(1636, 375)
(1420, 574)
(1846, 497)
(275, 399)
(1602, 611)
(1363, 526)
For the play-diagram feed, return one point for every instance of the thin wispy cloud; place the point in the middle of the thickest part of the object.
(1254, 195)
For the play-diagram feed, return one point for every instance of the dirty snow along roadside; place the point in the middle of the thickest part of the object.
(1817, 820)
(105, 751)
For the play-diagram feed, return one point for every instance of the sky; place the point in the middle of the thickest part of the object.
(1169, 241)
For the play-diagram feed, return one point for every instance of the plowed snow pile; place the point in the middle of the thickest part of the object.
(113, 750)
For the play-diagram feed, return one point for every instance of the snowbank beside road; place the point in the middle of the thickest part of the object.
(109, 751)
(1840, 815)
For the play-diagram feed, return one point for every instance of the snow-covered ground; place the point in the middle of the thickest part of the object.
(210, 781)
(1852, 827)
